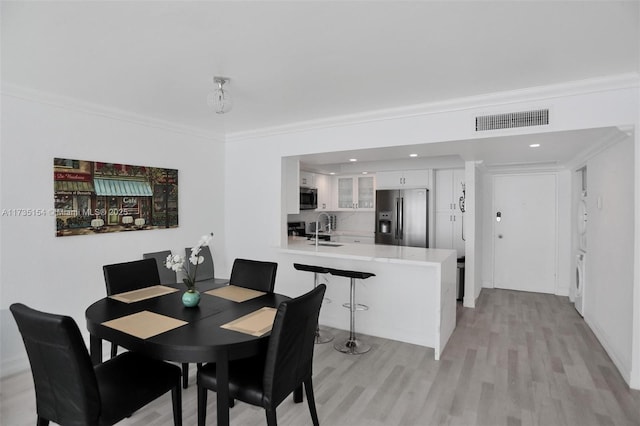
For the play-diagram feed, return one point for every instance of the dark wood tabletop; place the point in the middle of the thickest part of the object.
(200, 341)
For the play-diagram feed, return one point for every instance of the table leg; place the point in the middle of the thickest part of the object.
(95, 348)
(297, 394)
(222, 393)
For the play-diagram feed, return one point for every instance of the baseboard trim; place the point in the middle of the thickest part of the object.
(601, 336)
(9, 367)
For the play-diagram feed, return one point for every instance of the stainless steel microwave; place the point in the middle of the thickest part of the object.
(308, 198)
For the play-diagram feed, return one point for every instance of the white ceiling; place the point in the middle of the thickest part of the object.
(555, 150)
(306, 60)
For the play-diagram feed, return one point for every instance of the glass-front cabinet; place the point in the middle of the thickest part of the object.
(355, 193)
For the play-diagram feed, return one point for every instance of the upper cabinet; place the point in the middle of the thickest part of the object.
(403, 179)
(307, 179)
(355, 192)
(448, 189)
(324, 184)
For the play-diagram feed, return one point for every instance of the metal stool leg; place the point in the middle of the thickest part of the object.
(321, 335)
(353, 346)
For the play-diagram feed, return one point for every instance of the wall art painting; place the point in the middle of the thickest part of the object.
(93, 197)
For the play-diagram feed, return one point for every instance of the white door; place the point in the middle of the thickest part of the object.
(524, 237)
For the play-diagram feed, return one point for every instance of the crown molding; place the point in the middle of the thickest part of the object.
(530, 94)
(73, 104)
(605, 143)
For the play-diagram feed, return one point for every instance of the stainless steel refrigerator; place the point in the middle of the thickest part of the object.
(402, 217)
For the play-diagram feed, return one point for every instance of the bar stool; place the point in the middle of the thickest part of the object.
(352, 346)
(321, 335)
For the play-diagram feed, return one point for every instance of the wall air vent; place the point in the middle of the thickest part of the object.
(512, 119)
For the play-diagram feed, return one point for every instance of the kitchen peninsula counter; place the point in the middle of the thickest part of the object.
(411, 298)
(370, 252)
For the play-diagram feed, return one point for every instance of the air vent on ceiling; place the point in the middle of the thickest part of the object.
(512, 119)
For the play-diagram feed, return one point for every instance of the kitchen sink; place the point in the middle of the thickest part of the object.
(327, 244)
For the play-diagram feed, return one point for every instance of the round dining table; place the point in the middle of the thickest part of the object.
(200, 340)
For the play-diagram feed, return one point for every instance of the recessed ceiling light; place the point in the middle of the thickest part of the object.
(364, 173)
(534, 145)
(413, 155)
(332, 173)
(353, 159)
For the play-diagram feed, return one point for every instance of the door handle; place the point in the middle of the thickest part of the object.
(400, 217)
(397, 217)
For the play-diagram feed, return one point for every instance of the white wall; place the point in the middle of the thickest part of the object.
(608, 291)
(478, 247)
(565, 227)
(64, 274)
(635, 361)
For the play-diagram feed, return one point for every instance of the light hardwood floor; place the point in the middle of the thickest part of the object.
(517, 359)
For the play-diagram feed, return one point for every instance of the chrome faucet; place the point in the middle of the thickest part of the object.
(318, 225)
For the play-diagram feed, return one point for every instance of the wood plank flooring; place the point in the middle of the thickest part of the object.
(517, 359)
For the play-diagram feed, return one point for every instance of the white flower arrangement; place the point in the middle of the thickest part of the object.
(178, 263)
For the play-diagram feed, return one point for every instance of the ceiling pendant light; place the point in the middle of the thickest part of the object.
(219, 97)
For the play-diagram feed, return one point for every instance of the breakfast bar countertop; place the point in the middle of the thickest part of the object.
(371, 252)
(412, 294)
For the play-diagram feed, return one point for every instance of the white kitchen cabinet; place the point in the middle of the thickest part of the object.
(307, 179)
(449, 219)
(403, 179)
(324, 184)
(355, 193)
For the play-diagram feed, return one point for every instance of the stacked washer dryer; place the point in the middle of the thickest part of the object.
(581, 256)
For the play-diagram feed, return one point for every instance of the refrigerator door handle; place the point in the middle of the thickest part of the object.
(397, 227)
(401, 218)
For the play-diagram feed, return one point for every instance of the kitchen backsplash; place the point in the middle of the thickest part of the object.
(345, 221)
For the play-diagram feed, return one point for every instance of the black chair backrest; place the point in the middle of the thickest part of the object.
(205, 269)
(127, 276)
(167, 276)
(64, 380)
(254, 274)
(290, 352)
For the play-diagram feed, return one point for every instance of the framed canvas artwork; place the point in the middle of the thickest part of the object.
(96, 197)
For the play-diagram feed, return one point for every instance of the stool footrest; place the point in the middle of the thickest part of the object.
(359, 306)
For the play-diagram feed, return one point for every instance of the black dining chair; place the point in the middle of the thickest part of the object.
(205, 271)
(134, 275)
(71, 391)
(167, 276)
(254, 274)
(129, 276)
(266, 380)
